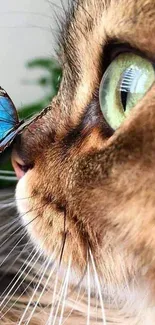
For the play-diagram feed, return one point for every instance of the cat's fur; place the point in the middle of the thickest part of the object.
(91, 193)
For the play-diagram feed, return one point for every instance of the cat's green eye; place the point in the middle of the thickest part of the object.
(124, 83)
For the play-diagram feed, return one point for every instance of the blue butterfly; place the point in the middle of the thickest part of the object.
(10, 126)
(9, 121)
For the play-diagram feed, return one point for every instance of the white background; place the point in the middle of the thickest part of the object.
(27, 30)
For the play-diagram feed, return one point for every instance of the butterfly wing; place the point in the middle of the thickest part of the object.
(8, 114)
(7, 140)
(8, 119)
(10, 126)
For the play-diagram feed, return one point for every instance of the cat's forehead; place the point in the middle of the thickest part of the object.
(100, 21)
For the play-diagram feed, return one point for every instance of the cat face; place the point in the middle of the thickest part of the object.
(88, 188)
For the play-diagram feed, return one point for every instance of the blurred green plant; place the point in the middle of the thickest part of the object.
(50, 81)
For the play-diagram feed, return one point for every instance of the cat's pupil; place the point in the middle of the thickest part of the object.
(124, 96)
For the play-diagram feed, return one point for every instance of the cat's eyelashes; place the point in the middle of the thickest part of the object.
(123, 85)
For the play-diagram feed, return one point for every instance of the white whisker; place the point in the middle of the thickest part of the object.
(8, 225)
(33, 295)
(14, 303)
(18, 278)
(65, 292)
(7, 232)
(74, 304)
(98, 286)
(88, 284)
(60, 294)
(24, 249)
(53, 299)
(12, 249)
(45, 286)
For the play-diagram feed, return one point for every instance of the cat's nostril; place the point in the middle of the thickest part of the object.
(19, 166)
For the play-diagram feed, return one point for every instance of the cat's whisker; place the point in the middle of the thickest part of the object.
(64, 240)
(35, 291)
(8, 246)
(15, 232)
(21, 227)
(53, 4)
(25, 198)
(7, 229)
(62, 291)
(46, 29)
(18, 278)
(44, 288)
(32, 280)
(8, 226)
(18, 252)
(88, 286)
(29, 245)
(98, 287)
(23, 279)
(16, 12)
(24, 249)
(53, 299)
(11, 202)
(74, 305)
(56, 281)
(13, 249)
(65, 291)
(7, 204)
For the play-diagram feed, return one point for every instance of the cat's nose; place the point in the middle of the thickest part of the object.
(19, 166)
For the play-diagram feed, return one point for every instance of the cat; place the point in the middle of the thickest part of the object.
(86, 173)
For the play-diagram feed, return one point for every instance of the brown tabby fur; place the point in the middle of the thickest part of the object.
(103, 183)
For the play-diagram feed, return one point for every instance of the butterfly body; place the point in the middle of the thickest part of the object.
(10, 126)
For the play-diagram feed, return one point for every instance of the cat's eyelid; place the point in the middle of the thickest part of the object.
(116, 47)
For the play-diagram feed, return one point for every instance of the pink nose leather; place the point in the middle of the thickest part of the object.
(17, 164)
